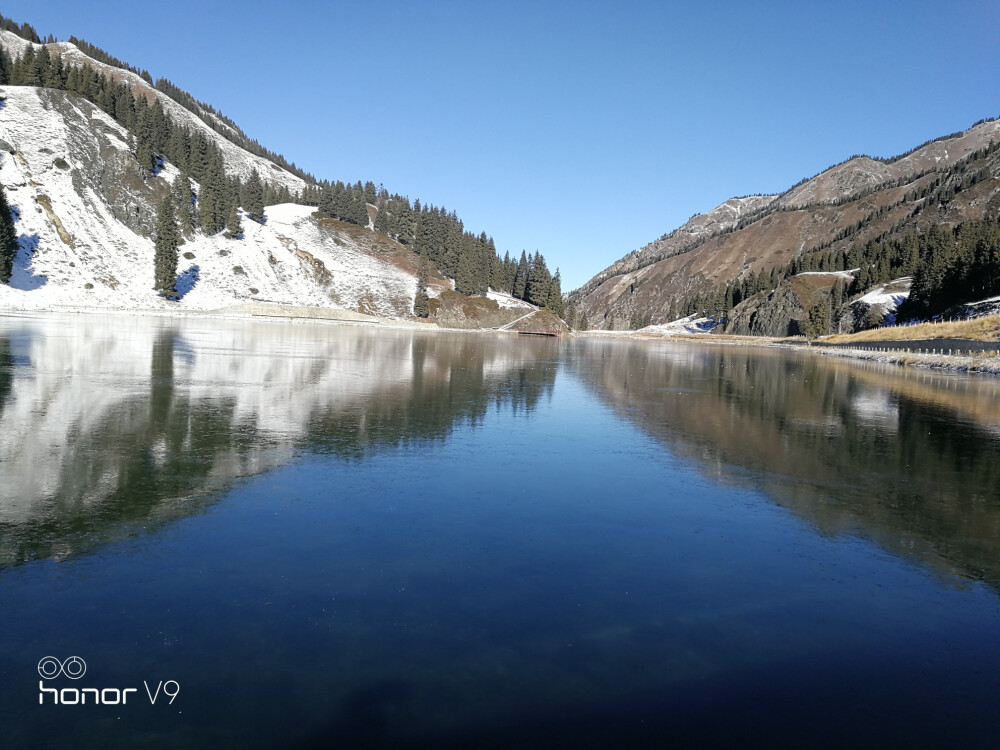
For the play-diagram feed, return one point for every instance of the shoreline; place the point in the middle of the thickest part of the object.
(978, 365)
(986, 364)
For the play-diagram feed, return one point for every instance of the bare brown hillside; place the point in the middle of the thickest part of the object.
(856, 201)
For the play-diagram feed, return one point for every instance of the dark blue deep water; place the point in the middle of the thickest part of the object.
(327, 537)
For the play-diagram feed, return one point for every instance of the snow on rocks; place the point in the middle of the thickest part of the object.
(890, 295)
(690, 324)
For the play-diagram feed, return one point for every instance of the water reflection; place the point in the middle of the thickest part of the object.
(114, 425)
(460, 545)
(903, 456)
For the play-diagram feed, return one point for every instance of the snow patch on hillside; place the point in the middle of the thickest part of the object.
(847, 275)
(891, 295)
(73, 190)
(690, 324)
(508, 302)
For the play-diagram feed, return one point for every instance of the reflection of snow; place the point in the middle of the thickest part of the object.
(76, 379)
(22, 277)
(876, 408)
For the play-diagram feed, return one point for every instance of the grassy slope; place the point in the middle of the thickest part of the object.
(981, 329)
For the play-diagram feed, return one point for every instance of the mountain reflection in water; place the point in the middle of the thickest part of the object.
(115, 424)
(903, 456)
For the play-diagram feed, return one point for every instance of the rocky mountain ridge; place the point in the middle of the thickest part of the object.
(855, 201)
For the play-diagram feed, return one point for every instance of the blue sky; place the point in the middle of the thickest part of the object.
(581, 129)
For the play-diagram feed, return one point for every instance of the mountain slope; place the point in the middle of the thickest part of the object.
(86, 210)
(238, 162)
(338, 263)
(850, 203)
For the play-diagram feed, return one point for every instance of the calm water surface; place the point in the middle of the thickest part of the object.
(330, 537)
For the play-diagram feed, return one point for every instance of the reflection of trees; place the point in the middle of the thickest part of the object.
(905, 458)
(157, 447)
(6, 370)
(450, 384)
(143, 461)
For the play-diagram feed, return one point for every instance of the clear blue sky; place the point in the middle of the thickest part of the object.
(581, 129)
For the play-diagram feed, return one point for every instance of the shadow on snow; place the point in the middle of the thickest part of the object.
(22, 277)
(186, 281)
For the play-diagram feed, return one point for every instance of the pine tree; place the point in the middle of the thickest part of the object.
(359, 211)
(837, 294)
(212, 202)
(183, 200)
(383, 221)
(539, 280)
(200, 158)
(8, 239)
(521, 277)
(43, 61)
(6, 67)
(555, 301)
(167, 241)
(425, 240)
(179, 148)
(466, 280)
(451, 253)
(26, 70)
(27, 31)
(421, 303)
(818, 322)
(55, 78)
(253, 200)
(144, 137)
(124, 102)
(234, 229)
(368, 194)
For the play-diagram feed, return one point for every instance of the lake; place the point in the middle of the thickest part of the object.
(305, 536)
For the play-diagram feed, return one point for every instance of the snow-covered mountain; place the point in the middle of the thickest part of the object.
(85, 214)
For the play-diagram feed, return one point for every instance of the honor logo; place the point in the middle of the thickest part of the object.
(50, 668)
